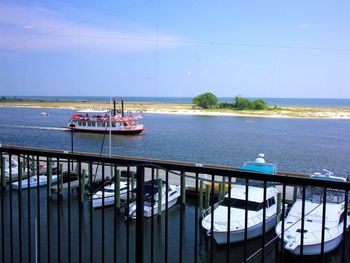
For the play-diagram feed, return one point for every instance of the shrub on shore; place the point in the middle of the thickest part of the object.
(206, 100)
(209, 100)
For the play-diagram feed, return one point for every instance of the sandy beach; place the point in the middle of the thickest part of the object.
(189, 109)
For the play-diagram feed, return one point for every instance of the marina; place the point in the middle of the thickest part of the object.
(191, 200)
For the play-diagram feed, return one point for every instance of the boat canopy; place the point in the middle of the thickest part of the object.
(148, 189)
(93, 111)
(258, 167)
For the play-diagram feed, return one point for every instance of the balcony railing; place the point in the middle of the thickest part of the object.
(57, 222)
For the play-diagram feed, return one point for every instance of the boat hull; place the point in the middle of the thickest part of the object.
(315, 249)
(108, 200)
(147, 212)
(252, 232)
(33, 183)
(126, 132)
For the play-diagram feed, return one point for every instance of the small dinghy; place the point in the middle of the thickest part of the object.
(334, 219)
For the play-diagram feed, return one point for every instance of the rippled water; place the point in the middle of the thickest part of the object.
(297, 145)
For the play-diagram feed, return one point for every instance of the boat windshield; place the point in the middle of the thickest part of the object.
(240, 204)
(255, 183)
(315, 195)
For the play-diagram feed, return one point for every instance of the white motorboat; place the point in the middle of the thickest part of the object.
(255, 206)
(109, 191)
(151, 197)
(14, 167)
(33, 182)
(334, 219)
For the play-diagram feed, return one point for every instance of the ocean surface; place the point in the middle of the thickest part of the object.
(296, 145)
(301, 102)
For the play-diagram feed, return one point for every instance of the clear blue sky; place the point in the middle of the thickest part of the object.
(175, 48)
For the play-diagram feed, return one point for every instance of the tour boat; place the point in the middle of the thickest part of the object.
(255, 206)
(105, 121)
(334, 218)
(151, 198)
(32, 181)
(109, 191)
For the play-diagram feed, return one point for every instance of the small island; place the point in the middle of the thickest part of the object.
(239, 107)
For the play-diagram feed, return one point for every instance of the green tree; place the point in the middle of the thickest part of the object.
(206, 100)
(259, 104)
(245, 104)
(242, 103)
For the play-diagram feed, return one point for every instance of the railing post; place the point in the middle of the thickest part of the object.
(3, 182)
(49, 175)
(82, 178)
(200, 195)
(183, 188)
(139, 213)
(117, 189)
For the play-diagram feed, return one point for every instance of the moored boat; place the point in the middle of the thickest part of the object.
(108, 193)
(153, 195)
(33, 182)
(13, 167)
(237, 203)
(312, 231)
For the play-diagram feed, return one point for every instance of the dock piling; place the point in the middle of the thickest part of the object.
(207, 195)
(201, 195)
(295, 193)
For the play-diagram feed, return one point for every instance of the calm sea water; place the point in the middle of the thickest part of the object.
(297, 145)
(271, 101)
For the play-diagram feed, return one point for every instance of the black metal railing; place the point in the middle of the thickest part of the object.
(57, 222)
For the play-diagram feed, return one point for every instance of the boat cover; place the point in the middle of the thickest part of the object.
(260, 168)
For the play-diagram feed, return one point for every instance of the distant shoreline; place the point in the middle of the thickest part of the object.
(188, 109)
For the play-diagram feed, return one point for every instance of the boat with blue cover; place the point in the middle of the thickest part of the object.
(237, 202)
